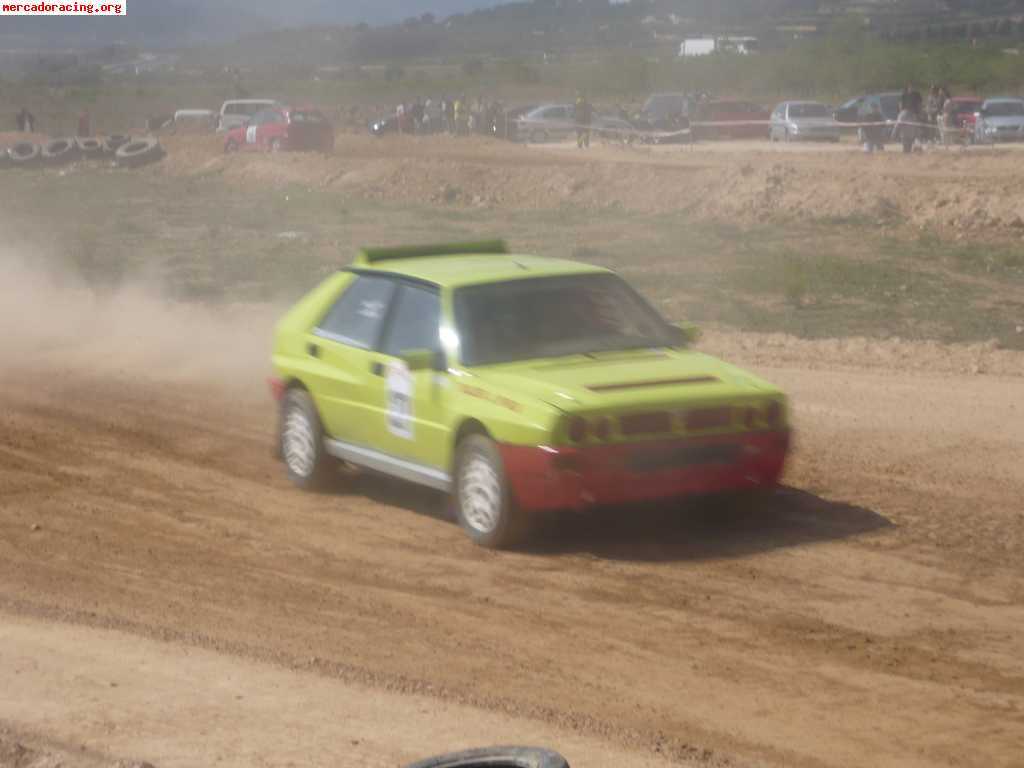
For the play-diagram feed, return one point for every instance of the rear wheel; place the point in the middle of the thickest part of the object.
(275, 145)
(309, 466)
(231, 146)
(483, 502)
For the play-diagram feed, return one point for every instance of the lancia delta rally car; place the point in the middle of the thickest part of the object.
(518, 384)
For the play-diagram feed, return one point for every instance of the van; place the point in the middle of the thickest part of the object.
(237, 112)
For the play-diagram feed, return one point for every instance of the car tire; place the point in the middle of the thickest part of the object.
(481, 495)
(59, 152)
(230, 147)
(24, 154)
(506, 757)
(138, 152)
(785, 136)
(301, 441)
(274, 146)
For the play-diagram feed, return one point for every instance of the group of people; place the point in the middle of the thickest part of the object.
(456, 116)
(921, 119)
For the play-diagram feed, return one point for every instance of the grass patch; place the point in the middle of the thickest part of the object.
(207, 241)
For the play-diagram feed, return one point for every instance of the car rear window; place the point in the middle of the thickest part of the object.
(808, 110)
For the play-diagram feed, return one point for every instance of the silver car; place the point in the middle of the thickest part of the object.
(550, 122)
(803, 121)
(999, 120)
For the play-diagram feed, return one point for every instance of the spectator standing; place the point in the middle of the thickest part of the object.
(84, 124)
(906, 130)
(874, 130)
(584, 116)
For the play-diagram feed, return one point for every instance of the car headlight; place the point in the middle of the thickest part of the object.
(794, 128)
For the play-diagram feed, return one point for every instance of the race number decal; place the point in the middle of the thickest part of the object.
(400, 386)
(250, 134)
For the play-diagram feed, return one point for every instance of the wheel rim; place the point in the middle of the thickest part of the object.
(480, 494)
(298, 443)
(275, 146)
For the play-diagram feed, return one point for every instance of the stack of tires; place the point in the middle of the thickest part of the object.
(126, 152)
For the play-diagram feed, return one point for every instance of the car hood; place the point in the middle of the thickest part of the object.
(655, 377)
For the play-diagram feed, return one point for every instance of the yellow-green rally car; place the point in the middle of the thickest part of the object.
(516, 383)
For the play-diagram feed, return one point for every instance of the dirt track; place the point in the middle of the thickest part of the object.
(871, 614)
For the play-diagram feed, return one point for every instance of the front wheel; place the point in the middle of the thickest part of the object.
(309, 466)
(483, 501)
(231, 147)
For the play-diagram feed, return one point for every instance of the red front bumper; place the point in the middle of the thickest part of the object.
(545, 478)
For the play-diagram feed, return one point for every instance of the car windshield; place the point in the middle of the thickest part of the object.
(966, 106)
(308, 117)
(891, 105)
(553, 317)
(808, 110)
(1005, 109)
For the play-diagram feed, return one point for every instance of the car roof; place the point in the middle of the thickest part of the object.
(477, 268)
(1003, 100)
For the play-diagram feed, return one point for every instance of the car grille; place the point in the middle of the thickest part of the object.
(650, 423)
(708, 418)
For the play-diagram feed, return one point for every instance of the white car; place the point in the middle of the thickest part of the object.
(237, 112)
(999, 120)
(803, 121)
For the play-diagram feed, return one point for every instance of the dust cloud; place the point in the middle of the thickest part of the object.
(53, 319)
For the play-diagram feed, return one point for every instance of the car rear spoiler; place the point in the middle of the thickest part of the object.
(373, 255)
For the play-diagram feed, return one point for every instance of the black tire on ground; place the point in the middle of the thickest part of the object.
(483, 501)
(138, 152)
(24, 154)
(505, 757)
(301, 440)
(59, 151)
(89, 147)
(115, 141)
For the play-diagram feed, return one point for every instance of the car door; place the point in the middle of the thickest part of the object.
(252, 131)
(347, 386)
(415, 424)
(274, 126)
(778, 122)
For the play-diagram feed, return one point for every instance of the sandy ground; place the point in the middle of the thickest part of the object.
(166, 595)
(951, 191)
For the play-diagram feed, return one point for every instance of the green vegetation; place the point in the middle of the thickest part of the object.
(201, 240)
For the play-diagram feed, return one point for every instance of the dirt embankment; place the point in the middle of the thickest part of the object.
(952, 191)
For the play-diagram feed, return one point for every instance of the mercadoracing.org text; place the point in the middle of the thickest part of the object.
(64, 9)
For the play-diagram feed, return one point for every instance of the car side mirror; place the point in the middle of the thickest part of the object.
(423, 359)
(684, 334)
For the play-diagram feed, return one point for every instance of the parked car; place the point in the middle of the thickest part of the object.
(518, 384)
(803, 121)
(199, 120)
(235, 113)
(283, 128)
(507, 126)
(550, 122)
(612, 128)
(730, 120)
(662, 110)
(958, 117)
(999, 120)
(854, 110)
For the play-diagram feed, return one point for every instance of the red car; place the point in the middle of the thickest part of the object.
(959, 112)
(731, 120)
(283, 128)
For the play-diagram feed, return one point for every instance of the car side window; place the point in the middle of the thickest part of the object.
(416, 321)
(357, 317)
